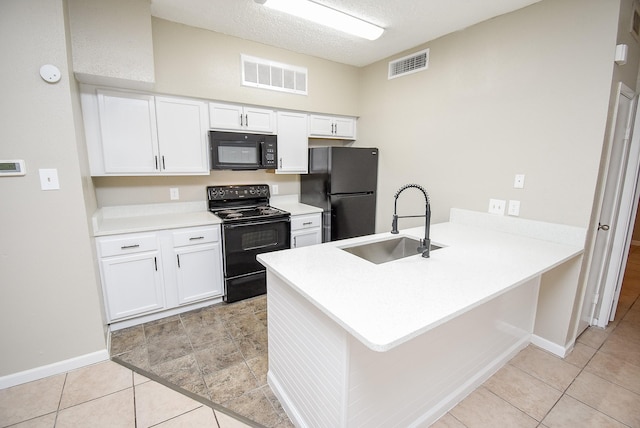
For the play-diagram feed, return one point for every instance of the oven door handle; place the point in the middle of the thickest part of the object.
(261, 246)
(254, 223)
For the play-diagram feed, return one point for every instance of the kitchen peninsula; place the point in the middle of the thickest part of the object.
(353, 343)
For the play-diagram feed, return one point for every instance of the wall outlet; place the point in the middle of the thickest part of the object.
(274, 189)
(518, 182)
(174, 193)
(514, 208)
(496, 206)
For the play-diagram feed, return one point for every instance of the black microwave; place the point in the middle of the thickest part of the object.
(235, 150)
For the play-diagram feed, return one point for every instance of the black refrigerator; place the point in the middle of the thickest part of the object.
(342, 181)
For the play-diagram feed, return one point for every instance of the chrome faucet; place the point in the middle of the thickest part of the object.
(425, 244)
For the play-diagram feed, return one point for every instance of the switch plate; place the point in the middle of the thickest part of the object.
(274, 189)
(174, 193)
(49, 179)
(514, 208)
(518, 183)
(496, 206)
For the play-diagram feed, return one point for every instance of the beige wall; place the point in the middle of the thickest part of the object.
(526, 92)
(523, 93)
(204, 64)
(49, 306)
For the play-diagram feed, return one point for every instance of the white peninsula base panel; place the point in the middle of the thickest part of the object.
(325, 377)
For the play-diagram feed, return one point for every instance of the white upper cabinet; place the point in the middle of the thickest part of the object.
(131, 133)
(128, 132)
(235, 117)
(332, 127)
(182, 135)
(293, 143)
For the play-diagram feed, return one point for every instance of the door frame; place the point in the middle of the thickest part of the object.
(606, 266)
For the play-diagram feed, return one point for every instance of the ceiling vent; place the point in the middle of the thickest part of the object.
(409, 64)
(266, 74)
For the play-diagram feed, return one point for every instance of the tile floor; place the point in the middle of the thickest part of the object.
(597, 385)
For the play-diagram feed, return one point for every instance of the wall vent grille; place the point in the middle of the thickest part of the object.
(266, 74)
(409, 64)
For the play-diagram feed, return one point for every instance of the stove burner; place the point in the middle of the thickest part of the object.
(234, 215)
(229, 212)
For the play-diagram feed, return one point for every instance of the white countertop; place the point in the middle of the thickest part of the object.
(290, 204)
(387, 304)
(143, 218)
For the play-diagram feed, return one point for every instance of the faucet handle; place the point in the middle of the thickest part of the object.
(394, 224)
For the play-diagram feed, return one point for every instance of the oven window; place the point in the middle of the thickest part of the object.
(238, 154)
(259, 239)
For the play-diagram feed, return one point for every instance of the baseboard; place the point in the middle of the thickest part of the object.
(554, 348)
(53, 369)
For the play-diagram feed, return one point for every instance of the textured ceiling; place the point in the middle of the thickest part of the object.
(408, 23)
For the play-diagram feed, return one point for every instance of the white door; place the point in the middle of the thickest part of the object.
(182, 135)
(199, 272)
(293, 142)
(609, 250)
(128, 132)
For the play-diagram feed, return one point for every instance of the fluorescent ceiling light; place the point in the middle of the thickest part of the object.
(327, 16)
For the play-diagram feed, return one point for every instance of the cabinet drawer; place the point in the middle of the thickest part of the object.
(127, 244)
(195, 236)
(305, 221)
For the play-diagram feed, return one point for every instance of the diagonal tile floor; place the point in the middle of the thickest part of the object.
(597, 385)
(218, 353)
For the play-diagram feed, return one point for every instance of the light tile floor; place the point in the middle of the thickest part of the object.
(597, 385)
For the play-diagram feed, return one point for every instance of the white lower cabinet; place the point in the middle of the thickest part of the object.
(306, 230)
(132, 284)
(198, 258)
(143, 273)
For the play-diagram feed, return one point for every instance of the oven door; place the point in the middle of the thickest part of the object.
(244, 241)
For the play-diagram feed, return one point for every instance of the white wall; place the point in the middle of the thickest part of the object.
(49, 304)
(526, 92)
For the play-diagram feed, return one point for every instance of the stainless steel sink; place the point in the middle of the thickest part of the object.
(388, 250)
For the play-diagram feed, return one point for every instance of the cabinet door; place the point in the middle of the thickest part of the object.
(234, 117)
(132, 284)
(182, 135)
(345, 127)
(226, 116)
(320, 125)
(260, 120)
(306, 237)
(293, 142)
(128, 132)
(199, 272)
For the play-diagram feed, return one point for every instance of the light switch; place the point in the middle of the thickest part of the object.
(49, 179)
(174, 193)
(518, 183)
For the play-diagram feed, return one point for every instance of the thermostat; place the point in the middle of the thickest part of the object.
(12, 167)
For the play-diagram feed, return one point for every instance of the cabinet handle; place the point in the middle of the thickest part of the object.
(246, 120)
(127, 247)
(178, 256)
(163, 165)
(156, 157)
(280, 163)
(295, 242)
(241, 120)
(196, 238)
(307, 223)
(155, 262)
(333, 128)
